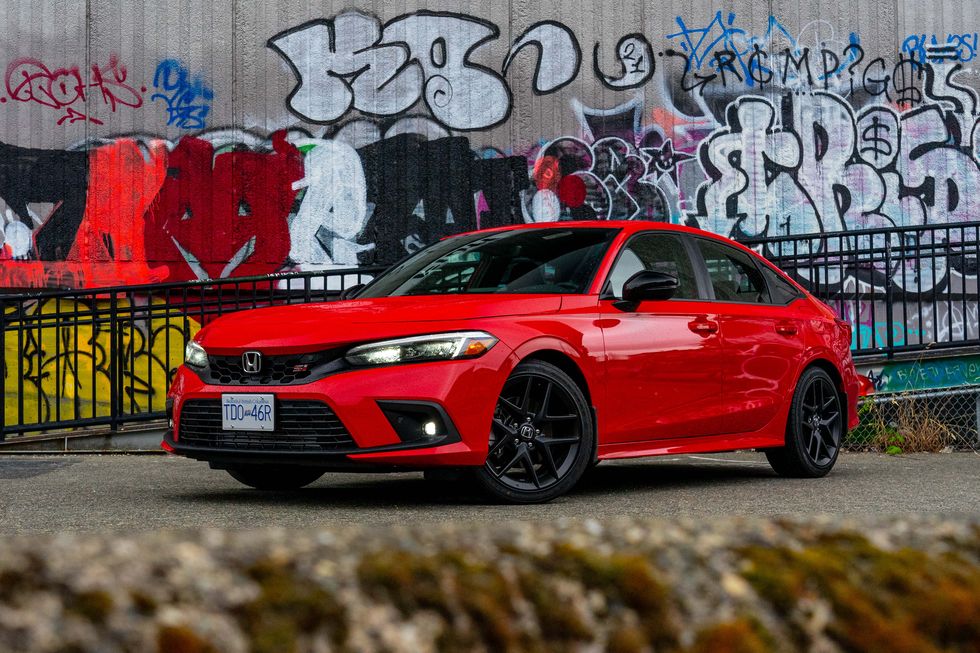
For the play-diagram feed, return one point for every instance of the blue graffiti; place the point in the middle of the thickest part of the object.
(188, 99)
(722, 44)
(923, 48)
(700, 43)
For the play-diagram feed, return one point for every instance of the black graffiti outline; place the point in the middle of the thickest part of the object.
(493, 36)
(513, 52)
(345, 79)
(411, 59)
(607, 81)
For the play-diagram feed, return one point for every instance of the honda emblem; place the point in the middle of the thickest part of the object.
(252, 362)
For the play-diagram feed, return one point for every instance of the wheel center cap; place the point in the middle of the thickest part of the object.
(526, 432)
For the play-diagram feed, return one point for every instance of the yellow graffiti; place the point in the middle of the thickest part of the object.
(59, 357)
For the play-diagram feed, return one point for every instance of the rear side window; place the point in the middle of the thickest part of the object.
(780, 290)
(656, 252)
(734, 275)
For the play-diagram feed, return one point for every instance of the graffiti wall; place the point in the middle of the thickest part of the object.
(302, 138)
(203, 140)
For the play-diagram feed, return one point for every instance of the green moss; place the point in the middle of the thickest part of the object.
(94, 606)
(143, 603)
(410, 582)
(27, 578)
(558, 622)
(900, 601)
(287, 607)
(180, 639)
(413, 582)
(739, 636)
(624, 578)
(627, 639)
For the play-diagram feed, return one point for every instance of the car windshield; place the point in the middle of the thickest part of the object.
(535, 261)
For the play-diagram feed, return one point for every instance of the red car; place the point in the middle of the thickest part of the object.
(524, 355)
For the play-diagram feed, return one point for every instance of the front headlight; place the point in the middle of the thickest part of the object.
(195, 355)
(435, 347)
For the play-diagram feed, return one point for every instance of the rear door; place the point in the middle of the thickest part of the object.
(761, 334)
(663, 358)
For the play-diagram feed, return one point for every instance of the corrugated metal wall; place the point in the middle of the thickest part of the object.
(196, 138)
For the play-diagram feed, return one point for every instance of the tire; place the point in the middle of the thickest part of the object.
(542, 437)
(263, 477)
(814, 428)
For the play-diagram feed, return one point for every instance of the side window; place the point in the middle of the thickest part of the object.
(659, 252)
(781, 291)
(734, 275)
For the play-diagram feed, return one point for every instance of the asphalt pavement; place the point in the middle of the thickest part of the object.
(147, 492)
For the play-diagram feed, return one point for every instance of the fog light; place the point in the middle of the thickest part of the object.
(416, 421)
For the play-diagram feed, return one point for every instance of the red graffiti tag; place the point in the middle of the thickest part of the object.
(30, 80)
(124, 178)
(226, 214)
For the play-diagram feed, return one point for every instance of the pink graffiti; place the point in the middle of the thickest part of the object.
(65, 89)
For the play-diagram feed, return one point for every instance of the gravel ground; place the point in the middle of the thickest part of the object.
(748, 585)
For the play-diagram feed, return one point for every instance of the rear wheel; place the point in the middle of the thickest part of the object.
(542, 436)
(262, 477)
(814, 428)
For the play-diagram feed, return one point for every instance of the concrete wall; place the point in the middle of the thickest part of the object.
(190, 139)
(187, 139)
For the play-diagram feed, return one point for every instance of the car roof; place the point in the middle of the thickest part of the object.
(626, 225)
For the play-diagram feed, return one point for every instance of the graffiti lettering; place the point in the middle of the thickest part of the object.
(187, 99)
(64, 367)
(64, 89)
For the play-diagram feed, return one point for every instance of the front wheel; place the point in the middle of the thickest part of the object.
(542, 436)
(262, 477)
(814, 428)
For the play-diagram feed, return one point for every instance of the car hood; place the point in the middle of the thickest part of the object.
(308, 327)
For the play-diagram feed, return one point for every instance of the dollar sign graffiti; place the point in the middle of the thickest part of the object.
(874, 139)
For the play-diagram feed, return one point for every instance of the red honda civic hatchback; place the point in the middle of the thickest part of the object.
(523, 355)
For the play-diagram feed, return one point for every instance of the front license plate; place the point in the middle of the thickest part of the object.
(248, 412)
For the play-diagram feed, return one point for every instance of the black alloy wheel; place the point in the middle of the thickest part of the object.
(814, 429)
(542, 437)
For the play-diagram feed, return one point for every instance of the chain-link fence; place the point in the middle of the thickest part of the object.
(909, 422)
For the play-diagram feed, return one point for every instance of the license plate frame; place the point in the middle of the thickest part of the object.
(248, 412)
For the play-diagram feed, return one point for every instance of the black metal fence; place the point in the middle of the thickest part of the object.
(105, 357)
(902, 289)
(80, 359)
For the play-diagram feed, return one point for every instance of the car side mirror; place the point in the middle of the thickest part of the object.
(351, 293)
(649, 285)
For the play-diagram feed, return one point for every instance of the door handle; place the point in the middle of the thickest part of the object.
(703, 327)
(786, 329)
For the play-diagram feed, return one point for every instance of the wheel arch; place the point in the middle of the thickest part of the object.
(828, 366)
(567, 362)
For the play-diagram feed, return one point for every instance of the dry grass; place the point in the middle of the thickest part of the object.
(908, 424)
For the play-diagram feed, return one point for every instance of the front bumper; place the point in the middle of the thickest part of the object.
(465, 391)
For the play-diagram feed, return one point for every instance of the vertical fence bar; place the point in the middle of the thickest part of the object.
(20, 367)
(963, 268)
(3, 370)
(39, 356)
(115, 387)
(889, 317)
(949, 286)
(94, 314)
(57, 359)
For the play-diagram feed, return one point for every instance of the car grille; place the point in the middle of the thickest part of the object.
(306, 426)
(276, 370)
